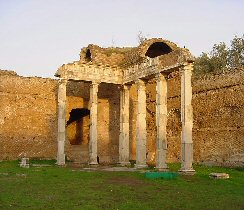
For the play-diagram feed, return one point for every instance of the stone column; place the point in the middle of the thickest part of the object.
(161, 122)
(61, 121)
(93, 124)
(124, 151)
(186, 119)
(141, 129)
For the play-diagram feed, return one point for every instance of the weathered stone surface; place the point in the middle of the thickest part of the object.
(124, 152)
(29, 116)
(186, 118)
(125, 65)
(218, 115)
(161, 122)
(29, 119)
(219, 176)
(141, 130)
(93, 124)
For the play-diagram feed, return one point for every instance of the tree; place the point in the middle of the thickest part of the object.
(236, 52)
(141, 37)
(221, 58)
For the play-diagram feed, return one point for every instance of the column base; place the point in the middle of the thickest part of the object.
(141, 165)
(162, 166)
(61, 160)
(124, 163)
(93, 163)
(187, 171)
(162, 169)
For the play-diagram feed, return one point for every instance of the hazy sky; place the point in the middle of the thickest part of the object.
(38, 36)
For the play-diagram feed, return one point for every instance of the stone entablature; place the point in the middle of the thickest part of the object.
(144, 69)
(132, 65)
(115, 75)
(81, 72)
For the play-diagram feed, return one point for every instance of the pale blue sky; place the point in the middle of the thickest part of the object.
(38, 36)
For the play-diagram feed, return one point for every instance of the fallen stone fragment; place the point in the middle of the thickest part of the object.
(219, 176)
(41, 165)
(22, 175)
(4, 174)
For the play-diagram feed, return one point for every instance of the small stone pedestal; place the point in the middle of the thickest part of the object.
(187, 172)
(162, 169)
(24, 163)
(122, 164)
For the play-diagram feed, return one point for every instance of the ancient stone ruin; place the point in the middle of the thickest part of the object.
(117, 105)
(155, 58)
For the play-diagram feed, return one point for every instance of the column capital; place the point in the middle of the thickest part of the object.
(187, 66)
(93, 83)
(140, 82)
(62, 81)
(159, 76)
(124, 87)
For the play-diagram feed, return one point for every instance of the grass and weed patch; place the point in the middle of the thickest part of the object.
(55, 187)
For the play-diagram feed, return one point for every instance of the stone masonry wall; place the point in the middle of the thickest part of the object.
(28, 118)
(28, 121)
(218, 108)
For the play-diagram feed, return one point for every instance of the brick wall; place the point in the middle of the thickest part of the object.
(28, 118)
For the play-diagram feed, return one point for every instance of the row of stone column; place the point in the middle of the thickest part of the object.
(161, 122)
(62, 123)
(141, 131)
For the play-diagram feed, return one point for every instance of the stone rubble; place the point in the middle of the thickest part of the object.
(219, 176)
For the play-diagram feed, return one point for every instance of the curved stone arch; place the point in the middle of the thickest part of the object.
(75, 126)
(165, 45)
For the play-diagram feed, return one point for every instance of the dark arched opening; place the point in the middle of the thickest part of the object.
(157, 49)
(88, 55)
(78, 126)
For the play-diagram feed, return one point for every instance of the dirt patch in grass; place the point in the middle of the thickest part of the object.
(127, 181)
(190, 179)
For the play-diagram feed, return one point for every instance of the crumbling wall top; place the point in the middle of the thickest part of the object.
(7, 73)
(112, 56)
(167, 54)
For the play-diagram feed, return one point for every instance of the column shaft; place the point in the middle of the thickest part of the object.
(141, 130)
(186, 118)
(61, 121)
(124, 151)
(161, 122)
(93, 124)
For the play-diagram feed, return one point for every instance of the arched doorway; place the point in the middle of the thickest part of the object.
(78, 126)
(157, 49)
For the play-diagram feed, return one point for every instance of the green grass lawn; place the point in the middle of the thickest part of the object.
(68, 188)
